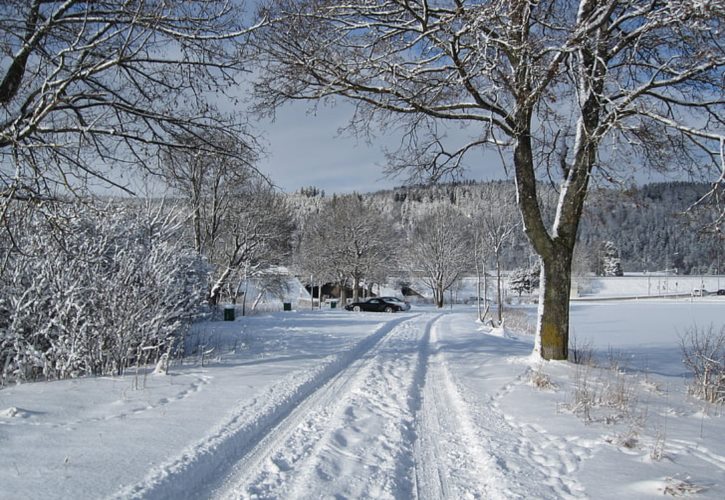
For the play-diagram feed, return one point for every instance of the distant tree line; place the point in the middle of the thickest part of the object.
(646, 228)
(93, 288)
(654, 228)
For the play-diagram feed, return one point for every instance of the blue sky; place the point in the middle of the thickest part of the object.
(306, 149)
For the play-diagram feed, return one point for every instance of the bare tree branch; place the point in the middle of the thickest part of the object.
(91, 88)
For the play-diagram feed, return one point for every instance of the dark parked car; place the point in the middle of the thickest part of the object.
(379, 304)
(721, 291)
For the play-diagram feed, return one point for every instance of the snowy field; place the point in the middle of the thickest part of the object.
(423, 404)
(645, 286)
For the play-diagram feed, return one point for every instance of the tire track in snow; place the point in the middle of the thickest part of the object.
(449, 460)
(208, 462)
(346, 440)
(519, 460)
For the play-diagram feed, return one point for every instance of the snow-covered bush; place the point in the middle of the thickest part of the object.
(540, 379)
(519, 321)
(703, 353)
(92, 291)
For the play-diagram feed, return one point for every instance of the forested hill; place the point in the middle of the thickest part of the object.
(647, 224)
(653, 229)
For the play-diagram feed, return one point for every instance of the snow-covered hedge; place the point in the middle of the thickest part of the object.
(93, 291)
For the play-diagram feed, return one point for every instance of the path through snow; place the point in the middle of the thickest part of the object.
(422, 405)
(387, 419)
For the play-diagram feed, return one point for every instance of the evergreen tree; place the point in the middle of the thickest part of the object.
(525, 280)
(609, 263)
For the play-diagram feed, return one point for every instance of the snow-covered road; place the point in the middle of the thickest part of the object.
(423, 405)
(387, 419)
(352, 436)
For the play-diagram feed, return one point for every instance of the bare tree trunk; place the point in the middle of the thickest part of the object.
(217, 287)
(244, 294)
(438, 295)
(197, 227)
(355, 286)
(498, 288)
(257, 300)
(557, 251)
(553, 306)
(485, 284)
(478, 289)
(553, 322)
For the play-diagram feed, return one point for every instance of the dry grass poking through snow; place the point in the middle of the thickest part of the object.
(520, 321)
(541, 380)
(603, 394)
(681, 488)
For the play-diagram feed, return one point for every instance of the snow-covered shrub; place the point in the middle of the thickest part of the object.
(584, 394)
(540, 379)
(703, 353)
(92, 291)
(519, 321)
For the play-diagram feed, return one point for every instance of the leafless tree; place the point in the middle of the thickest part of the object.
(562, 89)
(438, 249)
(495, 221)
(91, 89)
(311, 258)
(348, 242)
(255, 236)
(703, 353)
(239, 223)
(210, 182)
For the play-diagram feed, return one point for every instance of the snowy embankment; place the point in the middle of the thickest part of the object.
(423, 404)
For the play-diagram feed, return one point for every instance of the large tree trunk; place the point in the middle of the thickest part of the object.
(552, 341)
(355, 289)
(438, 295)
(555, 247)
(556, 252)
